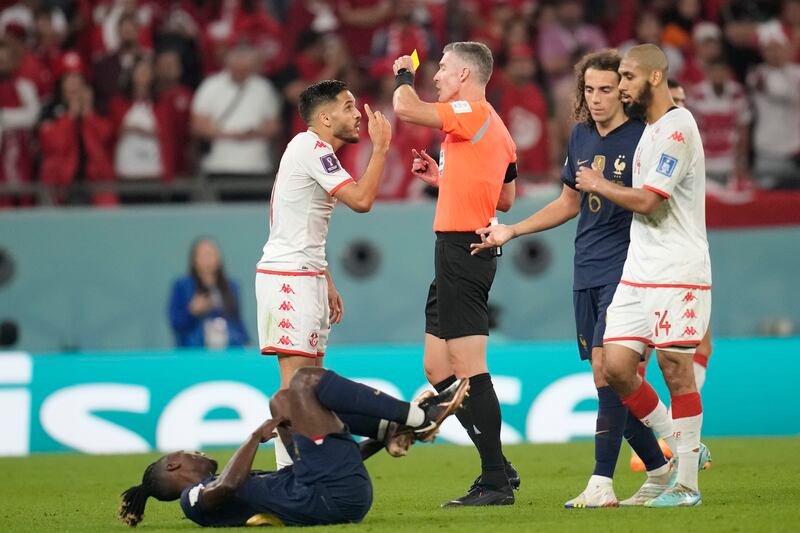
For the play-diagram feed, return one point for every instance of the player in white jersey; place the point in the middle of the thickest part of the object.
(295, 296)
(703, 352)
(664, 297)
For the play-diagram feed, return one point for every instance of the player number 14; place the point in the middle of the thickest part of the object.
(662, 324)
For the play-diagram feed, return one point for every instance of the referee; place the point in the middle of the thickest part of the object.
(475, 173)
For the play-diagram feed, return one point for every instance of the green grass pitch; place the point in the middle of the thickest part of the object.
(754, 485)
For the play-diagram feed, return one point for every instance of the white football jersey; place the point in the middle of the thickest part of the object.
(670, 246)
(301, 205)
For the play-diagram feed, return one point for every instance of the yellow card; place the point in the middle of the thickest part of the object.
(415, 59)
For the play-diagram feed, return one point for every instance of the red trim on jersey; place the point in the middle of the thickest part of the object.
(640, 339)
(686, 405)
(701, 359)
(282, 273)
(666, 285)
(678, 343)
(342, 184)
(274, 350)
(657, 191)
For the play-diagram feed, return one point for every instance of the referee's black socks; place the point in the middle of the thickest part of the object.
(481, 418)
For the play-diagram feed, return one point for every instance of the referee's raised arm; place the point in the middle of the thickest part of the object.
(407, 104)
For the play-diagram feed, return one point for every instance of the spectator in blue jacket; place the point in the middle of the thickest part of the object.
(204, 307)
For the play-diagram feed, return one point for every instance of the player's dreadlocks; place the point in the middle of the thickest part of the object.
(608, 59)
(131, 510)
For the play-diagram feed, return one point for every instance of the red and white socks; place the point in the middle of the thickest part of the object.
(645, 405)
(687, 413)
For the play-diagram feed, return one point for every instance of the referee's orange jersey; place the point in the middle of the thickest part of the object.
(475, 155)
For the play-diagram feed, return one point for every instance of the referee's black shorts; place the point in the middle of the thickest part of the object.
(458, 298)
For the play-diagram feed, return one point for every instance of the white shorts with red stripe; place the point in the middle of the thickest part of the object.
(293, 313)
(668, 317)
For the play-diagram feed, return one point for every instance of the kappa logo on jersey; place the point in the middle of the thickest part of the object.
(689, 331)
(461, 106)
(285, 341)
(320, 144)
(677, 137)
(313, 339)
(690, 297)
(286, 306)
(666, 165)
(689, 313)
(285, 324)
(287, 289)
(330, 163)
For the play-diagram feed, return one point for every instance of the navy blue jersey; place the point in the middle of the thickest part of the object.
(601, 242)
(327, 484)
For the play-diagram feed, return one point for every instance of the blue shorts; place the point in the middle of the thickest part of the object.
(590, 316)
(327, 484)
(336, 469)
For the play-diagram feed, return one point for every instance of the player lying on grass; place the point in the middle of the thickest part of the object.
(327, 484)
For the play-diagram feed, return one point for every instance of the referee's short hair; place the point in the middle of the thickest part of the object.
(476, 54)
(318, 94)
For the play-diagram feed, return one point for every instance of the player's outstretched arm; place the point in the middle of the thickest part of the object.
(237, 471)
(407, 105)
(563, 208)
(642, 201)
(359, 196)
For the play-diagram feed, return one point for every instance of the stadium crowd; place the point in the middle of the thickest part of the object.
(174, 91)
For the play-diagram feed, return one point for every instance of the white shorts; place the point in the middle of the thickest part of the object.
(671, 317)
(293, 313)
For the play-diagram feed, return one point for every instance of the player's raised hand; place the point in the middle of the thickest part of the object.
(266, 431)
(589, 179)
(380, 131)
(424, 167)
(403, 62)
(492, 237)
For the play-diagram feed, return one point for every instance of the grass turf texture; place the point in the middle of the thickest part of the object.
(754, 485)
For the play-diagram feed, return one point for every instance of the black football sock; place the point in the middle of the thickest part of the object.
(484, 409)
(463, 414)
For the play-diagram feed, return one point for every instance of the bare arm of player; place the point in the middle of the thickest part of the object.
(237, 471)
(565, 207)
(507, 196)
(335, 303)
(359, 196)
(407, 105)
(642, 201)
